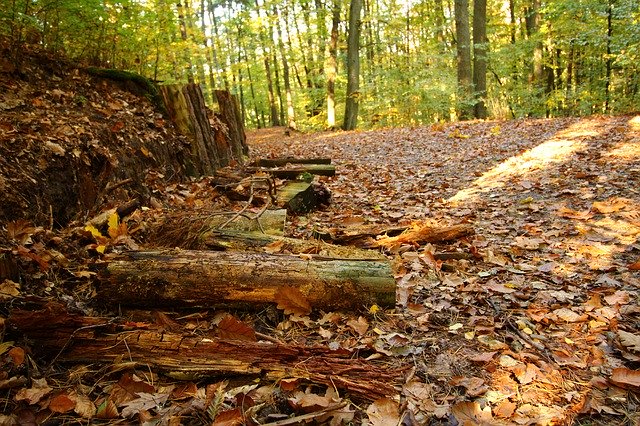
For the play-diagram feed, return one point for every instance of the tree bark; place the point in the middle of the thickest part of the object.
(463, 49)
(202, 278)
(286, 75)
(353, 66)
(480, 57)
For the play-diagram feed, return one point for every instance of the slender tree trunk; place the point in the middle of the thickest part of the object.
(332, 66)
(291, 120)
(273, 108)
(463, 49)
(439, 21)
(182, 20)
(480, 57)
(609, 58)
(353, 66)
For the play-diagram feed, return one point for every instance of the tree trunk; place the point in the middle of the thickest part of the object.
(463, 49)
(480, 57)
(203, 278)
(182, 20)
(232, 117)
(332, 66)
(353, 66)
(609, 57)
(291, 119)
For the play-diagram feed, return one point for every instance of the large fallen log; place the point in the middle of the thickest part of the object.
(66, 337)
(302, 197)
(202, 278)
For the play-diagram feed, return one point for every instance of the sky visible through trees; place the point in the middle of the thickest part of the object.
(542, 58)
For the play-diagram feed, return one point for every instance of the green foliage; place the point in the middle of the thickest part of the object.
(407, 54)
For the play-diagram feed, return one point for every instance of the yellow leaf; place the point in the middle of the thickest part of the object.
(495, 130)
(101, 248)
(94, 231)
(113, 222)
(374, 309)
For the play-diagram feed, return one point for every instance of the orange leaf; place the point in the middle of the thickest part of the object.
(625, 377)
(61, 404)
(17, 355)
(635, 266)
(233, 329)
(228, 418)
(292, 301)
(383, 412)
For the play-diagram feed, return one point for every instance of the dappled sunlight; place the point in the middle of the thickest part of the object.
(555, 150)
(628, 149)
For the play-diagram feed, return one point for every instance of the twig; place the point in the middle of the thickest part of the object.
(241, 210)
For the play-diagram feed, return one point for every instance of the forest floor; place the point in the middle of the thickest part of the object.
(534, 318)
(542, 324)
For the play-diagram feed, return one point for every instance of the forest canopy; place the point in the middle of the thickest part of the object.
(283, 59)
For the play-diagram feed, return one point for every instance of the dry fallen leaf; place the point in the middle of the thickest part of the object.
(292, 301)
(35, 393)
(232, 328)
(470, 414)
(625, 377)
(360, 326)
(383, 412)
(629, 340)
(62, 403)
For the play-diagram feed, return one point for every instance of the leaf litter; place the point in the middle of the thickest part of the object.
(529, 316)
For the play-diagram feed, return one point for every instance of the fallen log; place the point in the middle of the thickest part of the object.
(203, 278)
(293, 171)
(279, 162)
(65, 337)
(243, 241)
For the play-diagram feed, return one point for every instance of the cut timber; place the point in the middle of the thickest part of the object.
(231, 116)
(302, 197)
(203, 278)
(80, 339)
(192, 231)
(291, 172)
(240, 241)
(279, 162)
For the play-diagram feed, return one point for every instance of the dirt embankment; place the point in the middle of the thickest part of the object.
(71, 142)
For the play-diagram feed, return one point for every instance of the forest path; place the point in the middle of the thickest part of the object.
(546, 312)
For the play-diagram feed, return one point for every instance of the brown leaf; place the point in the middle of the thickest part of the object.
(482, 357)
(292, 301)
(620, 297)
(505, 409)
(629, 340)
(233, 329)
(128, 388)
(625, 377)
(84, 407)
(635, 266)
(229, 418)
(470, 414)
(360, 326)
(107, 410)
(62, 403)
(383, 412)
(38, 390)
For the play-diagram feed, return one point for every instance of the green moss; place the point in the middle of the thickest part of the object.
(149, 89)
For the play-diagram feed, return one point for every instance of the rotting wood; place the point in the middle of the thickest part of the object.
(279, 162)
(293, 171)
(302, 197)
(205, 278)
(243, 241)
(73, 338)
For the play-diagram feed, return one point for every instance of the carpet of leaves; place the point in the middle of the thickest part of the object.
(541, 325)
(533, 319)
